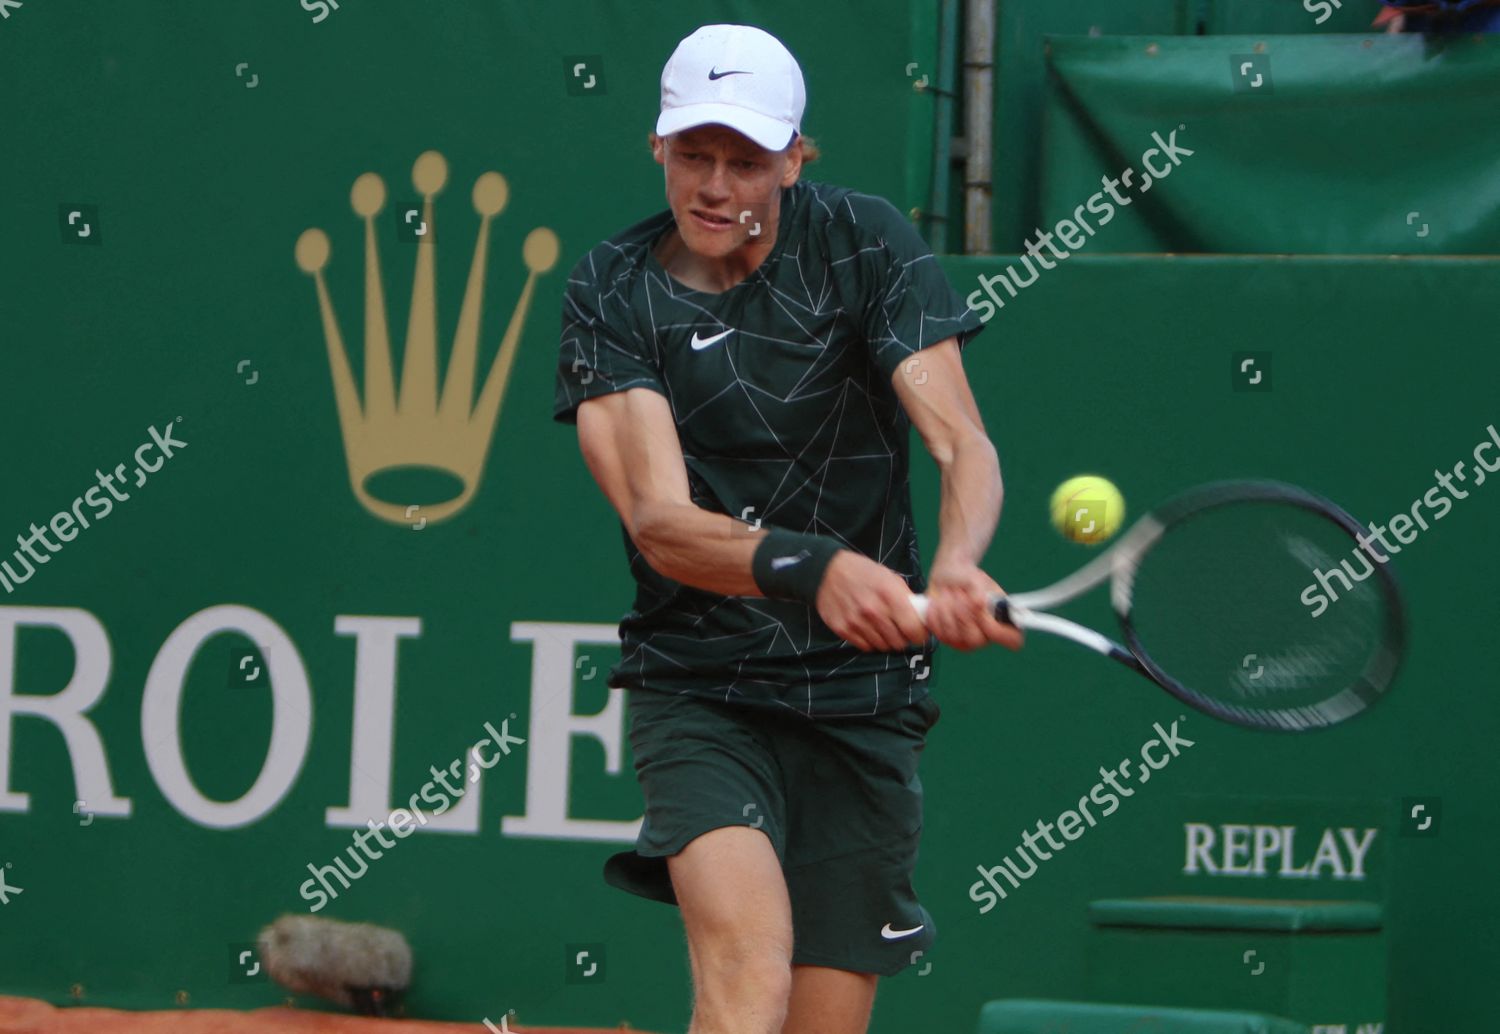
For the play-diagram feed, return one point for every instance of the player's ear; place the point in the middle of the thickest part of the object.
(658, 148)
(793, 170)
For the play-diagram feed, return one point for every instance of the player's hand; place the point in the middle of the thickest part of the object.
(958, 611)
(868, 605)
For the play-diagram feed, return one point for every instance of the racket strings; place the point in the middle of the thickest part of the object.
(1239, 607)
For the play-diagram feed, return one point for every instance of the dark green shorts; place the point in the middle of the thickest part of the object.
(839, 799)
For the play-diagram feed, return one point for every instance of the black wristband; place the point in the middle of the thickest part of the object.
(790, 566)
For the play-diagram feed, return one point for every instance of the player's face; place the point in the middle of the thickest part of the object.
(723, 188)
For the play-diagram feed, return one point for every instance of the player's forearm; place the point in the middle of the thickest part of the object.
(972, 493)
(691, 545)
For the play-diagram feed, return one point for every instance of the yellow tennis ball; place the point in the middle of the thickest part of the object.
(1087, 509)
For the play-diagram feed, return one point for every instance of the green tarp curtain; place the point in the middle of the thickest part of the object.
(1300, 144)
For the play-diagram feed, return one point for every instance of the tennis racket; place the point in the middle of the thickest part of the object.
(1220, 602)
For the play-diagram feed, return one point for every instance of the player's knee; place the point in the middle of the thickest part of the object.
(744, 978)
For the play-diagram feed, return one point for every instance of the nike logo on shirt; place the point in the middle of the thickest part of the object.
(700, 343)
(896, 935)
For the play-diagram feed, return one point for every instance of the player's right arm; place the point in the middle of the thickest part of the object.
(629, 442)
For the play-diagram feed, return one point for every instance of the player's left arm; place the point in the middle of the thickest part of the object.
(935, 392)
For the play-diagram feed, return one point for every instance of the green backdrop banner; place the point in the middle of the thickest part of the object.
(1133, 367)
(1317, 144)
(210, 688)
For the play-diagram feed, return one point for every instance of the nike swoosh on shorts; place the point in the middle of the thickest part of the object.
(896, 935)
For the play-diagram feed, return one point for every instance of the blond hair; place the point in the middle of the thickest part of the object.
(811, 152)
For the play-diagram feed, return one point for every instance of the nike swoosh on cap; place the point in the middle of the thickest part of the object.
(896, 935)
(714, 73)
(704, 342)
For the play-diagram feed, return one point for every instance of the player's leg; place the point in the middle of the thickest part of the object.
(850, 852)
(739, 929)
(829, 1001)
(711, 844)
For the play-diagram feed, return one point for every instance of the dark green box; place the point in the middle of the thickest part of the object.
(1322, 963)
(1039, 1016)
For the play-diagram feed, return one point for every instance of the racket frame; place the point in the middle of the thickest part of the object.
(1118, 565)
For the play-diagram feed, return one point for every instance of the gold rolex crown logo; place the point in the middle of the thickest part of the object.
(415, 428)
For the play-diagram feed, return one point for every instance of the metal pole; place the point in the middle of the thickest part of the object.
(979, 119)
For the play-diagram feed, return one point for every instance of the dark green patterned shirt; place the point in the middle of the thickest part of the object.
(781, 391)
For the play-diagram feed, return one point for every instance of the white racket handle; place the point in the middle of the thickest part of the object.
(920, 602)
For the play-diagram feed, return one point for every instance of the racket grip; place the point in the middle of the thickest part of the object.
(1000, 606)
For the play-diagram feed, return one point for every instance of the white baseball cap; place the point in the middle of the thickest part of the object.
(738, 76)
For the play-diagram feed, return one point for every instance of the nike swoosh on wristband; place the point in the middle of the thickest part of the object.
(896, 935)
(700, 343)
(777, 563)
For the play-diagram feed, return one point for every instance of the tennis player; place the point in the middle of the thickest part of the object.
(744, 369)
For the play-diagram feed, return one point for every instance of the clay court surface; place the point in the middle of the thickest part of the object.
(30, 1016)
